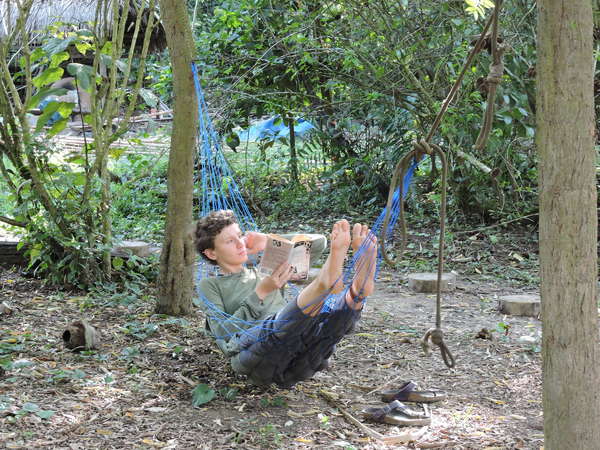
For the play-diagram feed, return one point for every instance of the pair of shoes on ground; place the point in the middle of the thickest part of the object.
(397, 413)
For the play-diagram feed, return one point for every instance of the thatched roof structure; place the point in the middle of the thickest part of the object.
(80, 13)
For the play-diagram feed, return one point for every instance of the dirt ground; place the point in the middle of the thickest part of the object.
(135, 390)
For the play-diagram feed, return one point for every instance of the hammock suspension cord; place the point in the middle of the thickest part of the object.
(424, 147)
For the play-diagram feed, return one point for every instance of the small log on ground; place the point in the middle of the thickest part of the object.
(427, 281)
(126, 248)
(520, 305)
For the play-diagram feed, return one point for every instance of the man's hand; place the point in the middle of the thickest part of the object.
(255, 242)
(276, 280)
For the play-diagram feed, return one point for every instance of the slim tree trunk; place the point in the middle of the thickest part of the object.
(293, 153)
(568, 225)
(175, 288)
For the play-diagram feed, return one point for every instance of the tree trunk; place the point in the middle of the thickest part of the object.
(176, 283)
(293, 153)
(568, 225)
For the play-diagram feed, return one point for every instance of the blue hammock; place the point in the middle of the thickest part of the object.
(219, 191)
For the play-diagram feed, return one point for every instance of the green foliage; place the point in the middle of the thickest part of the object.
(270, 436)
(372, 79)
(228, 394)
(202, 394)
(478, 7)
(65, 375)
(130, 353)
(139, 201)
(278, 401)
(27, 408)
(139, 330)
(160, 78)
(62, 200)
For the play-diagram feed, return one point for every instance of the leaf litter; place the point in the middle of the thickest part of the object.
(160, 382)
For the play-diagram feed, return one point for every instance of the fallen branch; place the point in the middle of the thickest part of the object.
(444, 444)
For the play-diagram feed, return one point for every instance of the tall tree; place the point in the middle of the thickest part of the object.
(568, 224)
(175, 287)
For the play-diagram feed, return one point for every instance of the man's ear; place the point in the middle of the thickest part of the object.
(210, 254)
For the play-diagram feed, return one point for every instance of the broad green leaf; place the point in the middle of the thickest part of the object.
(106, 48)
(56, 59)
(108, 62)
(79, 179)
(85, 33)
(121, 65)
(117, 263)
(37, 54)
(232, 140)
(202, 394)
(45, 413)
(83, 73)
(116, 152)
(49, 110)
(76, 159)
(83, 47)
(30, 407)
(42, 94)
(65, 108)
(48, 76)
(58, 126)
(88, 118)
(33, 254)
(149, 97)
(57, 45)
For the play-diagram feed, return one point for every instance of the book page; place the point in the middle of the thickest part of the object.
(277, 251)
(300, 260)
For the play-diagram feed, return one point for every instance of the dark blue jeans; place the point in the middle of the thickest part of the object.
(290, 346)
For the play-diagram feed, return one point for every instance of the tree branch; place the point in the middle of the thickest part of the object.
(12, 222)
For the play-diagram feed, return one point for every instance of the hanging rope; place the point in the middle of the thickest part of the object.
(492, 81)
(409, 161)
(419, 149)
(436, 334)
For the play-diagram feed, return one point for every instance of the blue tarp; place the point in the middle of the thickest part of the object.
(273, 129)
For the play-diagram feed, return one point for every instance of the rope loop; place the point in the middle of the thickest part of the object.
(421, 148)
(436, 335)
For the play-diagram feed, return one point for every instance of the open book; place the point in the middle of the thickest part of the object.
(279, 250)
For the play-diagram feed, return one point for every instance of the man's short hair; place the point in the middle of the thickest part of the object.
(208, 227)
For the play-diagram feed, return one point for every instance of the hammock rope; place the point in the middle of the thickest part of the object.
(220, 191)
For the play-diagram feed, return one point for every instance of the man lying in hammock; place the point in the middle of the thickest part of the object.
(267, 338)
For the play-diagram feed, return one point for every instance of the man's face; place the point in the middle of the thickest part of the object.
(229, 251)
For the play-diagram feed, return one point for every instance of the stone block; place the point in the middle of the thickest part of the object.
(426, 282)
(520, 305)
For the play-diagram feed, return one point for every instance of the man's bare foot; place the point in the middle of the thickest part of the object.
(329, 278)
(363, 283)
(339, 242)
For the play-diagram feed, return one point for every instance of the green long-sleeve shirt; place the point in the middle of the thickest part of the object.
(235, 295)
